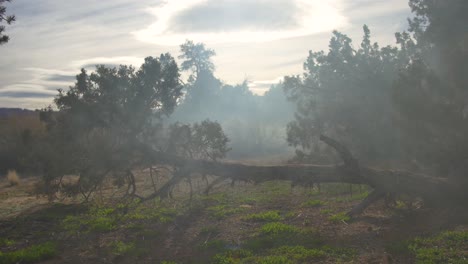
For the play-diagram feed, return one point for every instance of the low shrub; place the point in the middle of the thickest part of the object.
(13, 178)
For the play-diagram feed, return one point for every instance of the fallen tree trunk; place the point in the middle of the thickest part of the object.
(382, 181)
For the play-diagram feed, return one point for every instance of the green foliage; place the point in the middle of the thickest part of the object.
(269, 216)
(107, 122)
(4, 18)
(31, 254)
(339, 217)
(340, 93)
(200, 141)
(196, 57)
(427, 94)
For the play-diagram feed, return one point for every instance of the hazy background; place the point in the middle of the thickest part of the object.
(258, 41)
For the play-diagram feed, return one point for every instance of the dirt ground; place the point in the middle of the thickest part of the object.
(218, 219)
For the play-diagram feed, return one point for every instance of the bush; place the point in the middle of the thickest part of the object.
(13, 178)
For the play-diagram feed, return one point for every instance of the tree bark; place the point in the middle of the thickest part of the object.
(382, 181)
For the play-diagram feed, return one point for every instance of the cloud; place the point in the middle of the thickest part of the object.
(221, 21)
(261, 87)
(61, 78)
(222, 15)
(91, 63)
(24, 94)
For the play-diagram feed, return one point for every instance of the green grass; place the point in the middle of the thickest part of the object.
(121, 248)
(6, 242)
(222, 211)
(31, 254)
(326, 211)
(272, 235)
(447, 247)
(339, 217)
(106, 219)
(269, 216)
(286, 255)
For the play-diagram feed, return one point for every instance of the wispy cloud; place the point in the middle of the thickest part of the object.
(262, 86)
(220, 21)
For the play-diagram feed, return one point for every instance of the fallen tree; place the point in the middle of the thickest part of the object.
(383, 182)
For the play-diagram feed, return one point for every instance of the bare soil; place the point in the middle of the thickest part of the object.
(29, 219)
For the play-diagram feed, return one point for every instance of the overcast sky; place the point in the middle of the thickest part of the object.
(257, 40)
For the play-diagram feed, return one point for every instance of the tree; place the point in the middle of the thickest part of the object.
(431, 93)
(196, 57)
(345, 93)
(205, 140)
(4, 18)
(107, 122)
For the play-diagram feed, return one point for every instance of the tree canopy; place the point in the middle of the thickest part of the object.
(4, 18)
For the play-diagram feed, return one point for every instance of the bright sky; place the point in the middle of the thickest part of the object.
(257, 40)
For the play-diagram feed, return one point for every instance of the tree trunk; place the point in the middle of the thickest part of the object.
(382, 181)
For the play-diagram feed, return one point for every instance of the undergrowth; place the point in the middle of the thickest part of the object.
(30, 254)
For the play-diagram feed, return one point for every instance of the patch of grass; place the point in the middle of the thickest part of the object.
(13, 178)
(97, 219)
(278, 228)
(300, 253)
(31, 254)
(121, 248)
(288, 254)
(105, 219)
(314, 203)
(291, 215)
(6, 242)
(339, 217)
(275, 234)
(223, 211)
(231, 256)
(214, 245)
(447, 247)
(159, 213)
(342, 188)
(269, 216)
(326, 211)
